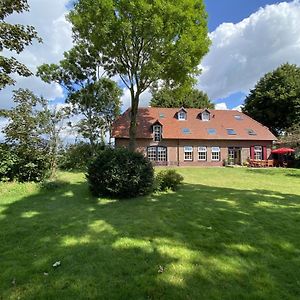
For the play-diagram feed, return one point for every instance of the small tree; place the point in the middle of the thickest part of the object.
(143, 41)
(14, 37)
(24, 136)
(275, 100)
(54, 123)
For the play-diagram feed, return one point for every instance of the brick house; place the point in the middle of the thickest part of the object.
(195, 137)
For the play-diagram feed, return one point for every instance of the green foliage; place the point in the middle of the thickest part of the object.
(77, 156)
(7, 163)
(143, 41)
(95, 99)
(275, 100)
(120, 173)
(22, 166)
(168, 179)
(180, 96)
(24, 137)
(14, 37)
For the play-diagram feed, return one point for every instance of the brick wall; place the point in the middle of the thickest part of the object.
(175, 149)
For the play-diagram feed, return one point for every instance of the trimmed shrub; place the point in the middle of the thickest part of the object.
(168, 179)
(120, 173)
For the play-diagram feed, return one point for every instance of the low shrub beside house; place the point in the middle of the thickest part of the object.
(120, 173)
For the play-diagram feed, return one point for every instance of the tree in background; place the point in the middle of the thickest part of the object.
(94, 98)
(275, 100)
(182, 96)
(24, 136)
(143, 41)
(14, 37)
(54, 122)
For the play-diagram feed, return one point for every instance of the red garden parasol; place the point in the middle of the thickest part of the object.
(283, 151)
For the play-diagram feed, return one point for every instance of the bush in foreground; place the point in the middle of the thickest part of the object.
(167, 179)
(120, 173)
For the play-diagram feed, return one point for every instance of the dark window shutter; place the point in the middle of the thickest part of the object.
(252, 152)
(265, 155)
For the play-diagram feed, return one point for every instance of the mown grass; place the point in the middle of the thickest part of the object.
(226, 234)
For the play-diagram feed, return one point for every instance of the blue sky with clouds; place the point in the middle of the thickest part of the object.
(249, 38)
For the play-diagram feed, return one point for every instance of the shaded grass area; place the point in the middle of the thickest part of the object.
(226, 234)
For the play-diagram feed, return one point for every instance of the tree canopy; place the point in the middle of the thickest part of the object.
(275, 100)
(96, 99)
(14, 37)
(183, 96)
(143, 41)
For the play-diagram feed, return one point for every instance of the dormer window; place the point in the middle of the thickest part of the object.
(157, 133)
(205, 116)
(182, 115)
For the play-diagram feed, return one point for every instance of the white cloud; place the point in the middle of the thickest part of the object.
(221, 106)
(242, 53)
(48, 17)
(126, 99)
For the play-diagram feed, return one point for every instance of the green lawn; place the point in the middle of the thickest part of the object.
(226, 234)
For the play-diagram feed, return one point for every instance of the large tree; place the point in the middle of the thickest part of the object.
(275, 100)
(13, 37)
(94, 98)
(143, 41)
(181, 96)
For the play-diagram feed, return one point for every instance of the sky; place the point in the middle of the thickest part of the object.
(249, 38)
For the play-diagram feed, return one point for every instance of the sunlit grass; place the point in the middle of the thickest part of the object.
(226, 234)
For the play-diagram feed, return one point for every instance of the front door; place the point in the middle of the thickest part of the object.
(234, 156)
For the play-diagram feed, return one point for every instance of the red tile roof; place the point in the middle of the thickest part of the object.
(193, 127)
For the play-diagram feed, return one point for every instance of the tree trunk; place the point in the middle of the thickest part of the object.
(133, 118)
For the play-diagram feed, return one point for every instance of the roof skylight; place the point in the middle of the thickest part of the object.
(231, 131)
(251, 131)
(186, 131)
(211, 131)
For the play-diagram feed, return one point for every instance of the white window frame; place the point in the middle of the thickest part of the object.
(215, 153)
(188, 153)
(161, 154)
(152, 153)
(202, 153)
(258, 152)
(157, 153)
(181, 116)
(205, 116)
(157, 133)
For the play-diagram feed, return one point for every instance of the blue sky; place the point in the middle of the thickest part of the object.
(249, 38)
(233, 11)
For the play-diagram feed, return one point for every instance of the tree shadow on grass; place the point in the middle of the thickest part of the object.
(201, 242)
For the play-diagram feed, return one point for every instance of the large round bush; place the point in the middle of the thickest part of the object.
(120, 173)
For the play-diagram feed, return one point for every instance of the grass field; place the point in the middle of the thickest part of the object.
(226, 234)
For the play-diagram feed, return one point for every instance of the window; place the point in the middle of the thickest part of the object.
(188, 153)
(155, 153)
(151, 153)
(251, 131)
(161, 115)
(231, 131)
(202, 153)
(157, 130)
(205, 116)
(238, 117)
(258, 152)
(161, 154)
(186, 131)
(181, 116)
(211, 131)
(215, 153)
